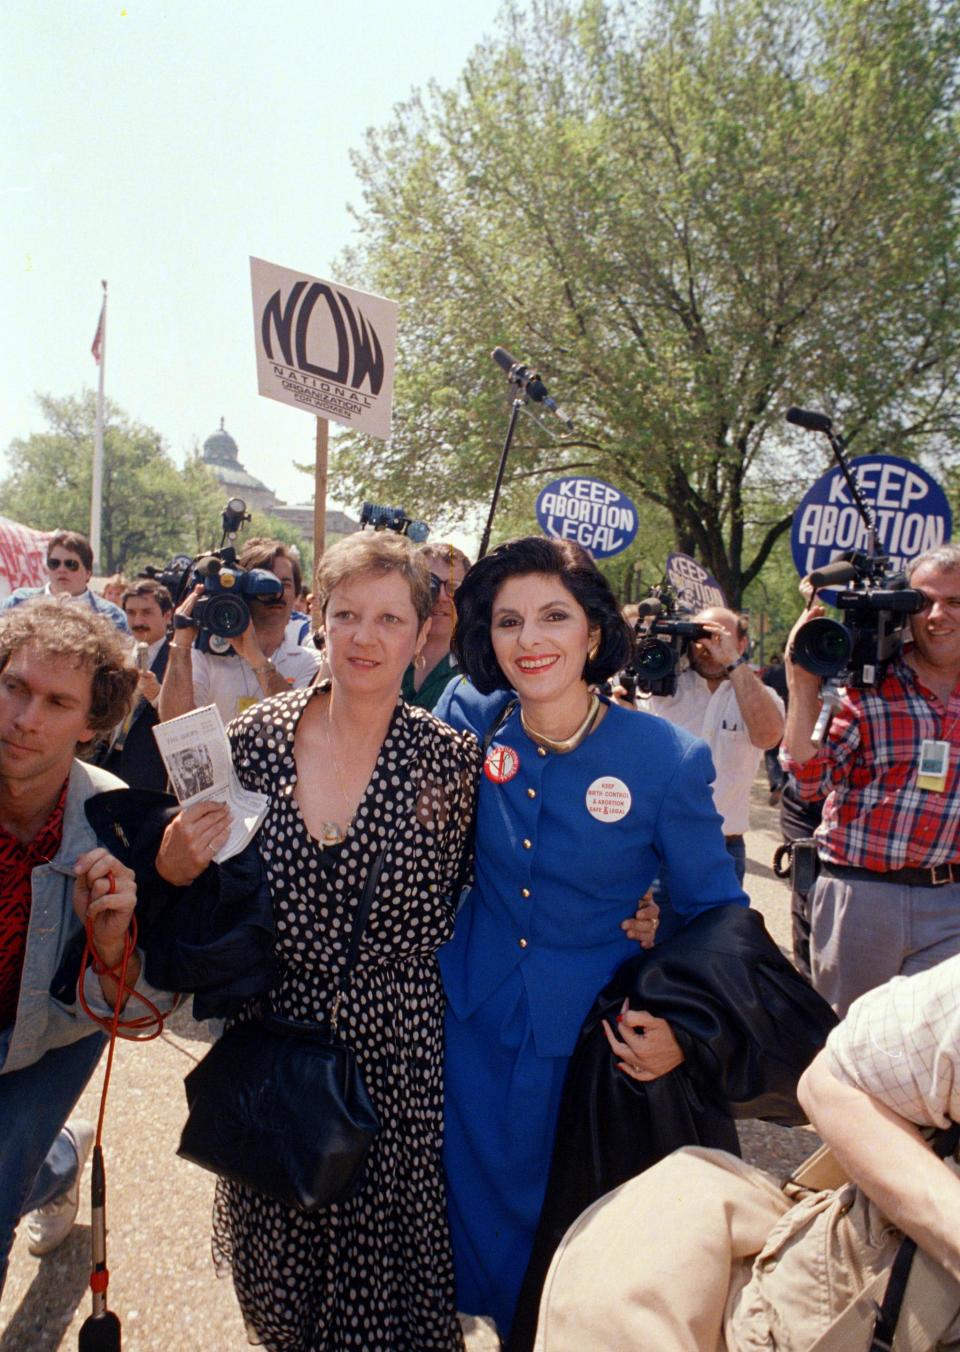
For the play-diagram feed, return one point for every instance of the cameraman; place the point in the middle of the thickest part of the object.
(267, 661)
(721, 700)
(887, 900)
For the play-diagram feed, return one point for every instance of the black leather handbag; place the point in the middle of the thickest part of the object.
(281, 1106)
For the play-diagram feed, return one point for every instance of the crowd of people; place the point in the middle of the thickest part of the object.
(467, 849)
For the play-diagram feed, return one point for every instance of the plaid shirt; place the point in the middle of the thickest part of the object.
(875, 816)
(900, 1044)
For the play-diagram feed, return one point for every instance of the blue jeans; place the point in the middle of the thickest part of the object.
(37, 1159)
(670, 922)
(776, 775)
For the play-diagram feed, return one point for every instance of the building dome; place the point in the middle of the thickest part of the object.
(220, 448)
(221, 455)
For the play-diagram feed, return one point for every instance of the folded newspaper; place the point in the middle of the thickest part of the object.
(196, 753)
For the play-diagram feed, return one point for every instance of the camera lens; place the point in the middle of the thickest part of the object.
(653, 659)
(822, 647)
(227, 616)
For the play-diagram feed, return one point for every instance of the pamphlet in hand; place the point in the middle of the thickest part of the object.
(196, 753)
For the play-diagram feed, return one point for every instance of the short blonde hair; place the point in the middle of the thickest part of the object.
(378, 552)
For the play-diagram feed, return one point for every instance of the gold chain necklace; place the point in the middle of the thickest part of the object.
(568, 743)
(331, 832)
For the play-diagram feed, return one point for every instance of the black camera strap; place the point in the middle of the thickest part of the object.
(944, 1143)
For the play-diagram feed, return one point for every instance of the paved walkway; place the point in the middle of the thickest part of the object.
(162, 1284)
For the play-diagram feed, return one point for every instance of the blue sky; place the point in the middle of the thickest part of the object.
(159, 145)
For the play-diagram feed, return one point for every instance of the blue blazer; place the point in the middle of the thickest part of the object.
(564, 850)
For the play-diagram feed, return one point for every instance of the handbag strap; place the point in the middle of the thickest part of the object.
(360, 917)
(362, 913)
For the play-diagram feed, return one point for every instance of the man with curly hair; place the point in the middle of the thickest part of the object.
(65, 681)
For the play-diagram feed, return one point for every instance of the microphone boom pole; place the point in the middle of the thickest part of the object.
(820, 422)
(525, 384)
(501, 469)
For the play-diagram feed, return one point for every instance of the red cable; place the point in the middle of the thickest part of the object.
(114, 1026)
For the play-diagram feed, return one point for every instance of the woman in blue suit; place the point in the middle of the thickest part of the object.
(580, 802)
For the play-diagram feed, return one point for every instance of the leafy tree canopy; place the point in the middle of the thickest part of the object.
(692, 216)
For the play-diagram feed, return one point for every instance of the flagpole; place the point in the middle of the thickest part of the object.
(96, 486)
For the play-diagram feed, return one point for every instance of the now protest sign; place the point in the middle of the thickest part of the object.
(589, 511)
(324, 347)
(909, 507)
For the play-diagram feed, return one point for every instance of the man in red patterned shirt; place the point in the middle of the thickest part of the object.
(65, 679)
(888, 896)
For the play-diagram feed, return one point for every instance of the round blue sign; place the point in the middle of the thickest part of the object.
(910, 510)
(589, 511)
(695, 588)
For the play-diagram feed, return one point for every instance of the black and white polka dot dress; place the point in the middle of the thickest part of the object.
(375, 1272)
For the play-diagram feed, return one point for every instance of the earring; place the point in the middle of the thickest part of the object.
(419, 661)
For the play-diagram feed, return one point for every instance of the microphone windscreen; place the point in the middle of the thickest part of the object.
(502, 357)
(833, 574)
(651, 606)
(806, 417)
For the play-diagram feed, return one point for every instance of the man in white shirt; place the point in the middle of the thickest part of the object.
(267, 662)
(720, 699)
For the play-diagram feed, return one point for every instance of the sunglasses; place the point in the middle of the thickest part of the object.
(438, 585)
(71, 564)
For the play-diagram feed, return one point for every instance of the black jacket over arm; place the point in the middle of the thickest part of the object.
(749, 1025)
(215, 938)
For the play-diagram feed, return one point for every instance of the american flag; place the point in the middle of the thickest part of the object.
(96, 346)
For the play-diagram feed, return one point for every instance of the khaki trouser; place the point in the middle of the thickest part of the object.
(703, 1253)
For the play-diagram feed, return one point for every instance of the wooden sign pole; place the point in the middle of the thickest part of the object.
(320, 506)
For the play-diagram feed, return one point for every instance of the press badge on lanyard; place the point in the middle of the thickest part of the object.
(934, 764)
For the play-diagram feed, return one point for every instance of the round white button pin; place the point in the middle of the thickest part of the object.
(608, 799)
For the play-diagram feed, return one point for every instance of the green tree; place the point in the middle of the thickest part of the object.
(697, 214)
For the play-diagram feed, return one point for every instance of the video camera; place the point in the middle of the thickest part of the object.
(393, 518)
(663, 635)
(854, 652)
(876, 611)
(173, 576)
(222, 612)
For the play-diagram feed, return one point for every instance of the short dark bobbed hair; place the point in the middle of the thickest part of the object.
(472, 644)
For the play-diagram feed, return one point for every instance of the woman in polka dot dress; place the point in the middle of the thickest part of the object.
(351, 769)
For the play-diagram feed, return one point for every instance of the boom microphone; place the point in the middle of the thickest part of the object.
(502, 357)
(531, 383)
(833, 574)
(806, 417)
